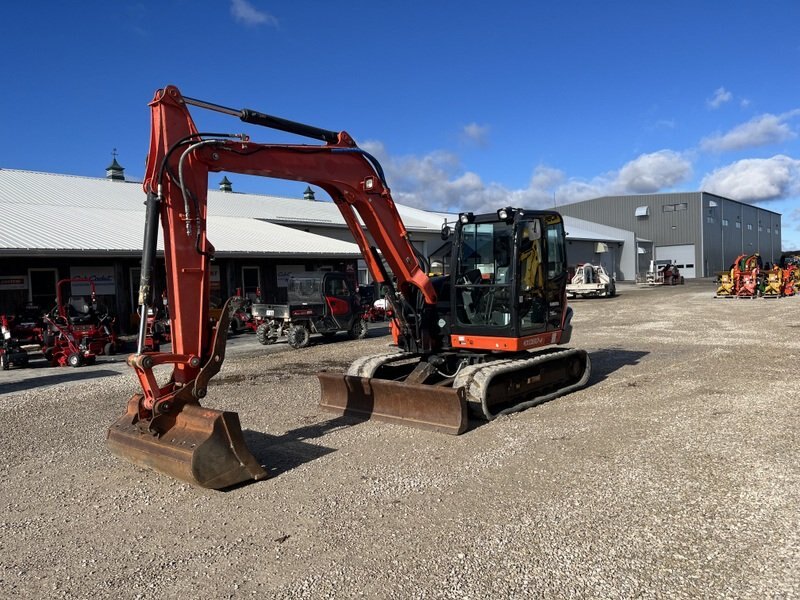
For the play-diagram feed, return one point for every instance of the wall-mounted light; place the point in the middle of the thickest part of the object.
(466, 217)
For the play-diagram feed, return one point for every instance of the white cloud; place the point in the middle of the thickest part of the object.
(437, 181)
(720, 97)
(246, 13)
(576, 190)
(645, 174)
(476, 134)
(545, 178)
(760, 131)
(756, 179)
(650, 173)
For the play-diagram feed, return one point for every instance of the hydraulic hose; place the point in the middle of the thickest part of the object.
(184, 192)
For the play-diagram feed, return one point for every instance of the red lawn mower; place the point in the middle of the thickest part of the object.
(11, 353)
(157, 327)
(76, 331)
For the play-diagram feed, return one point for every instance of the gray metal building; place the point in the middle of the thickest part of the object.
(702, 233)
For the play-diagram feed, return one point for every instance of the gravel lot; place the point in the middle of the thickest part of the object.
(674, 474)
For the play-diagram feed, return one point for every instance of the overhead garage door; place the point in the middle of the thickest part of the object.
(682, 256)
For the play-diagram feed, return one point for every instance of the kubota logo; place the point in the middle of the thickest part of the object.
(534, 341)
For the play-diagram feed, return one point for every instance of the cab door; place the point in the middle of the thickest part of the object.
(556, 272)
(541, 274)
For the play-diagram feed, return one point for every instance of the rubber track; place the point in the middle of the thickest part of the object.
(366, 366)
(477, 379)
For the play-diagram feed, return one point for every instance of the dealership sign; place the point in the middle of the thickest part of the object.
(103, 278)
(13, 282)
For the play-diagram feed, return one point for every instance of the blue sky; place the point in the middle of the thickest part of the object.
(469, 105)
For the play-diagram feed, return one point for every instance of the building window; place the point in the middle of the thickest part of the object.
(681, 206)
(709, 219)
(738, 225)
(724, 222)
(749, 227)
(668, 208)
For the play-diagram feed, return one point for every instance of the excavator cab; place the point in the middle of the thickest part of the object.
(505, 298)
(510, 275)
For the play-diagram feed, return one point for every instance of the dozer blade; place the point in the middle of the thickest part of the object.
(436, 408)
(200, 445)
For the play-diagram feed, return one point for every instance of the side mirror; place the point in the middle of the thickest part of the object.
(446, 231)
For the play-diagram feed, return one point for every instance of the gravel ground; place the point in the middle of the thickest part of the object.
(674, 474)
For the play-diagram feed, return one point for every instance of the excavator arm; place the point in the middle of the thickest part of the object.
(176, 184)
(178, 164)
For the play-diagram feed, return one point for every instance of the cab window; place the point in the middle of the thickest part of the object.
(556, 251)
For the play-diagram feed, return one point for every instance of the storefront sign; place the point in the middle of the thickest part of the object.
(13, 282)
(103, 278)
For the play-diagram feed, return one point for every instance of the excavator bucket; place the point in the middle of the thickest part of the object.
(436, 408)
(200, 445)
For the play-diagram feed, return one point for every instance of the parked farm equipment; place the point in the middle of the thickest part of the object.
(241, 309)
(11, 352)
(61, 347)
(376, 311)
(663, 272)
(725, 285)
(591, 280)
(772, 284)
(747, 279)
(318, 302)
(77, 330)
(790, 263)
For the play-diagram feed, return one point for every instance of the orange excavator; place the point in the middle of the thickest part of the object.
(482, 339)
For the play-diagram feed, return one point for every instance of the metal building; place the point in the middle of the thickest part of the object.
(702, 233)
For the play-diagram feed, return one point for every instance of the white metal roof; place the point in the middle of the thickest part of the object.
(316, 212)
(578, 229)
(46, 211)
(42, 212)
(42, 228)
(92, 213)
